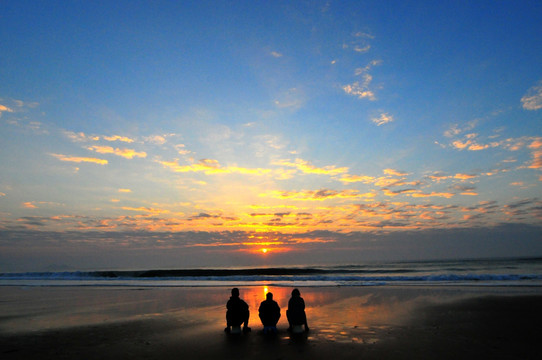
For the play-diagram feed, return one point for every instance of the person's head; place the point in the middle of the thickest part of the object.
(269, 296)
(295, 293)
(235, 292)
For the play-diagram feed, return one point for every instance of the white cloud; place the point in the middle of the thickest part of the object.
(156, 139)
(384, 118)
(293, 98)
(362, 89)
(532, 100)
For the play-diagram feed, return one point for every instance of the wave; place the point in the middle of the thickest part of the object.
(266, 277)
(516, 271)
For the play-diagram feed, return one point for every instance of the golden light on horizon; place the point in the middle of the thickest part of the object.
(264, 250)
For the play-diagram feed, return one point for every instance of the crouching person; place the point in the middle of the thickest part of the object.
(296, 313)
(237, 313)
(269, 312)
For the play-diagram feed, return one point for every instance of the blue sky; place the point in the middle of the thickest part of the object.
(179, 134)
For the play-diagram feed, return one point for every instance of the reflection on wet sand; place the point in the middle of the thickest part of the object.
(358, 315)
(345, 316)
(348, 315)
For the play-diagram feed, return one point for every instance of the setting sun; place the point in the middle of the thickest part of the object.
(265, 251)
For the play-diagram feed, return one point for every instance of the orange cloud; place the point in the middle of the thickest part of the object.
(125, 190)
(118, 138)
(125, 153)
(210, 166)
(318, 195)
(536, 144)
(464, 176)
(537, 160)
(477, 147)
(29, 205)
(395, 172)
(382, 119)
(356, 178)
(146, 210)
(80, 136)
(433, 194)
(385, 181)
(307, 168)
(78, 159)
(4, 108)
(461, 145)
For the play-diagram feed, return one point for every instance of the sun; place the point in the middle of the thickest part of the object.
(264, 250)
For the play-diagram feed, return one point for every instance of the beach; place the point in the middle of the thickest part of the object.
(381, 322)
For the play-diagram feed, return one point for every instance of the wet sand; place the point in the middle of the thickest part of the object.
(346, 323)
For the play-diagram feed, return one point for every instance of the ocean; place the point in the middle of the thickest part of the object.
(486, 272)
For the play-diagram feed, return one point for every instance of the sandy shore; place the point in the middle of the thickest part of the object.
(346, 323)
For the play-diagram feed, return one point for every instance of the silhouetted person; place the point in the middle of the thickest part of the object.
(296, 311)
(269, 312)
(237, 312)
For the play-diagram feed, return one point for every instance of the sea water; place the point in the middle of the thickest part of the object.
(475, 272)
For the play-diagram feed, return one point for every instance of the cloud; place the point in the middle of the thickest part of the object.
(537, 160)
(276, 54)
(78, 159)
(145, 210)
(357, 178)
(536, 145)
(156, 139)
(125, 153)
(532, 100)
(361, 89)
(395, 172)
(29, 205)
(292, 98)
(4, 108)
(465, 190)
(181, 149)
(393, 193)
(471, 144)
(307, 168)
(477, 147)
(359, 43)
(361, 49)
(384, 118)
(461, 145)
(75, 137)
(125, 190)
(118, 138)
(432, 194)
(318, 195)
(211, 166)
(464, 176)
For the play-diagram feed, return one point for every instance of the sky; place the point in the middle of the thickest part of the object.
(154, 134)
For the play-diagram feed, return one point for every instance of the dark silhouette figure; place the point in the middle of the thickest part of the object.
(237, 312)
(296, 311)
(269, 312)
